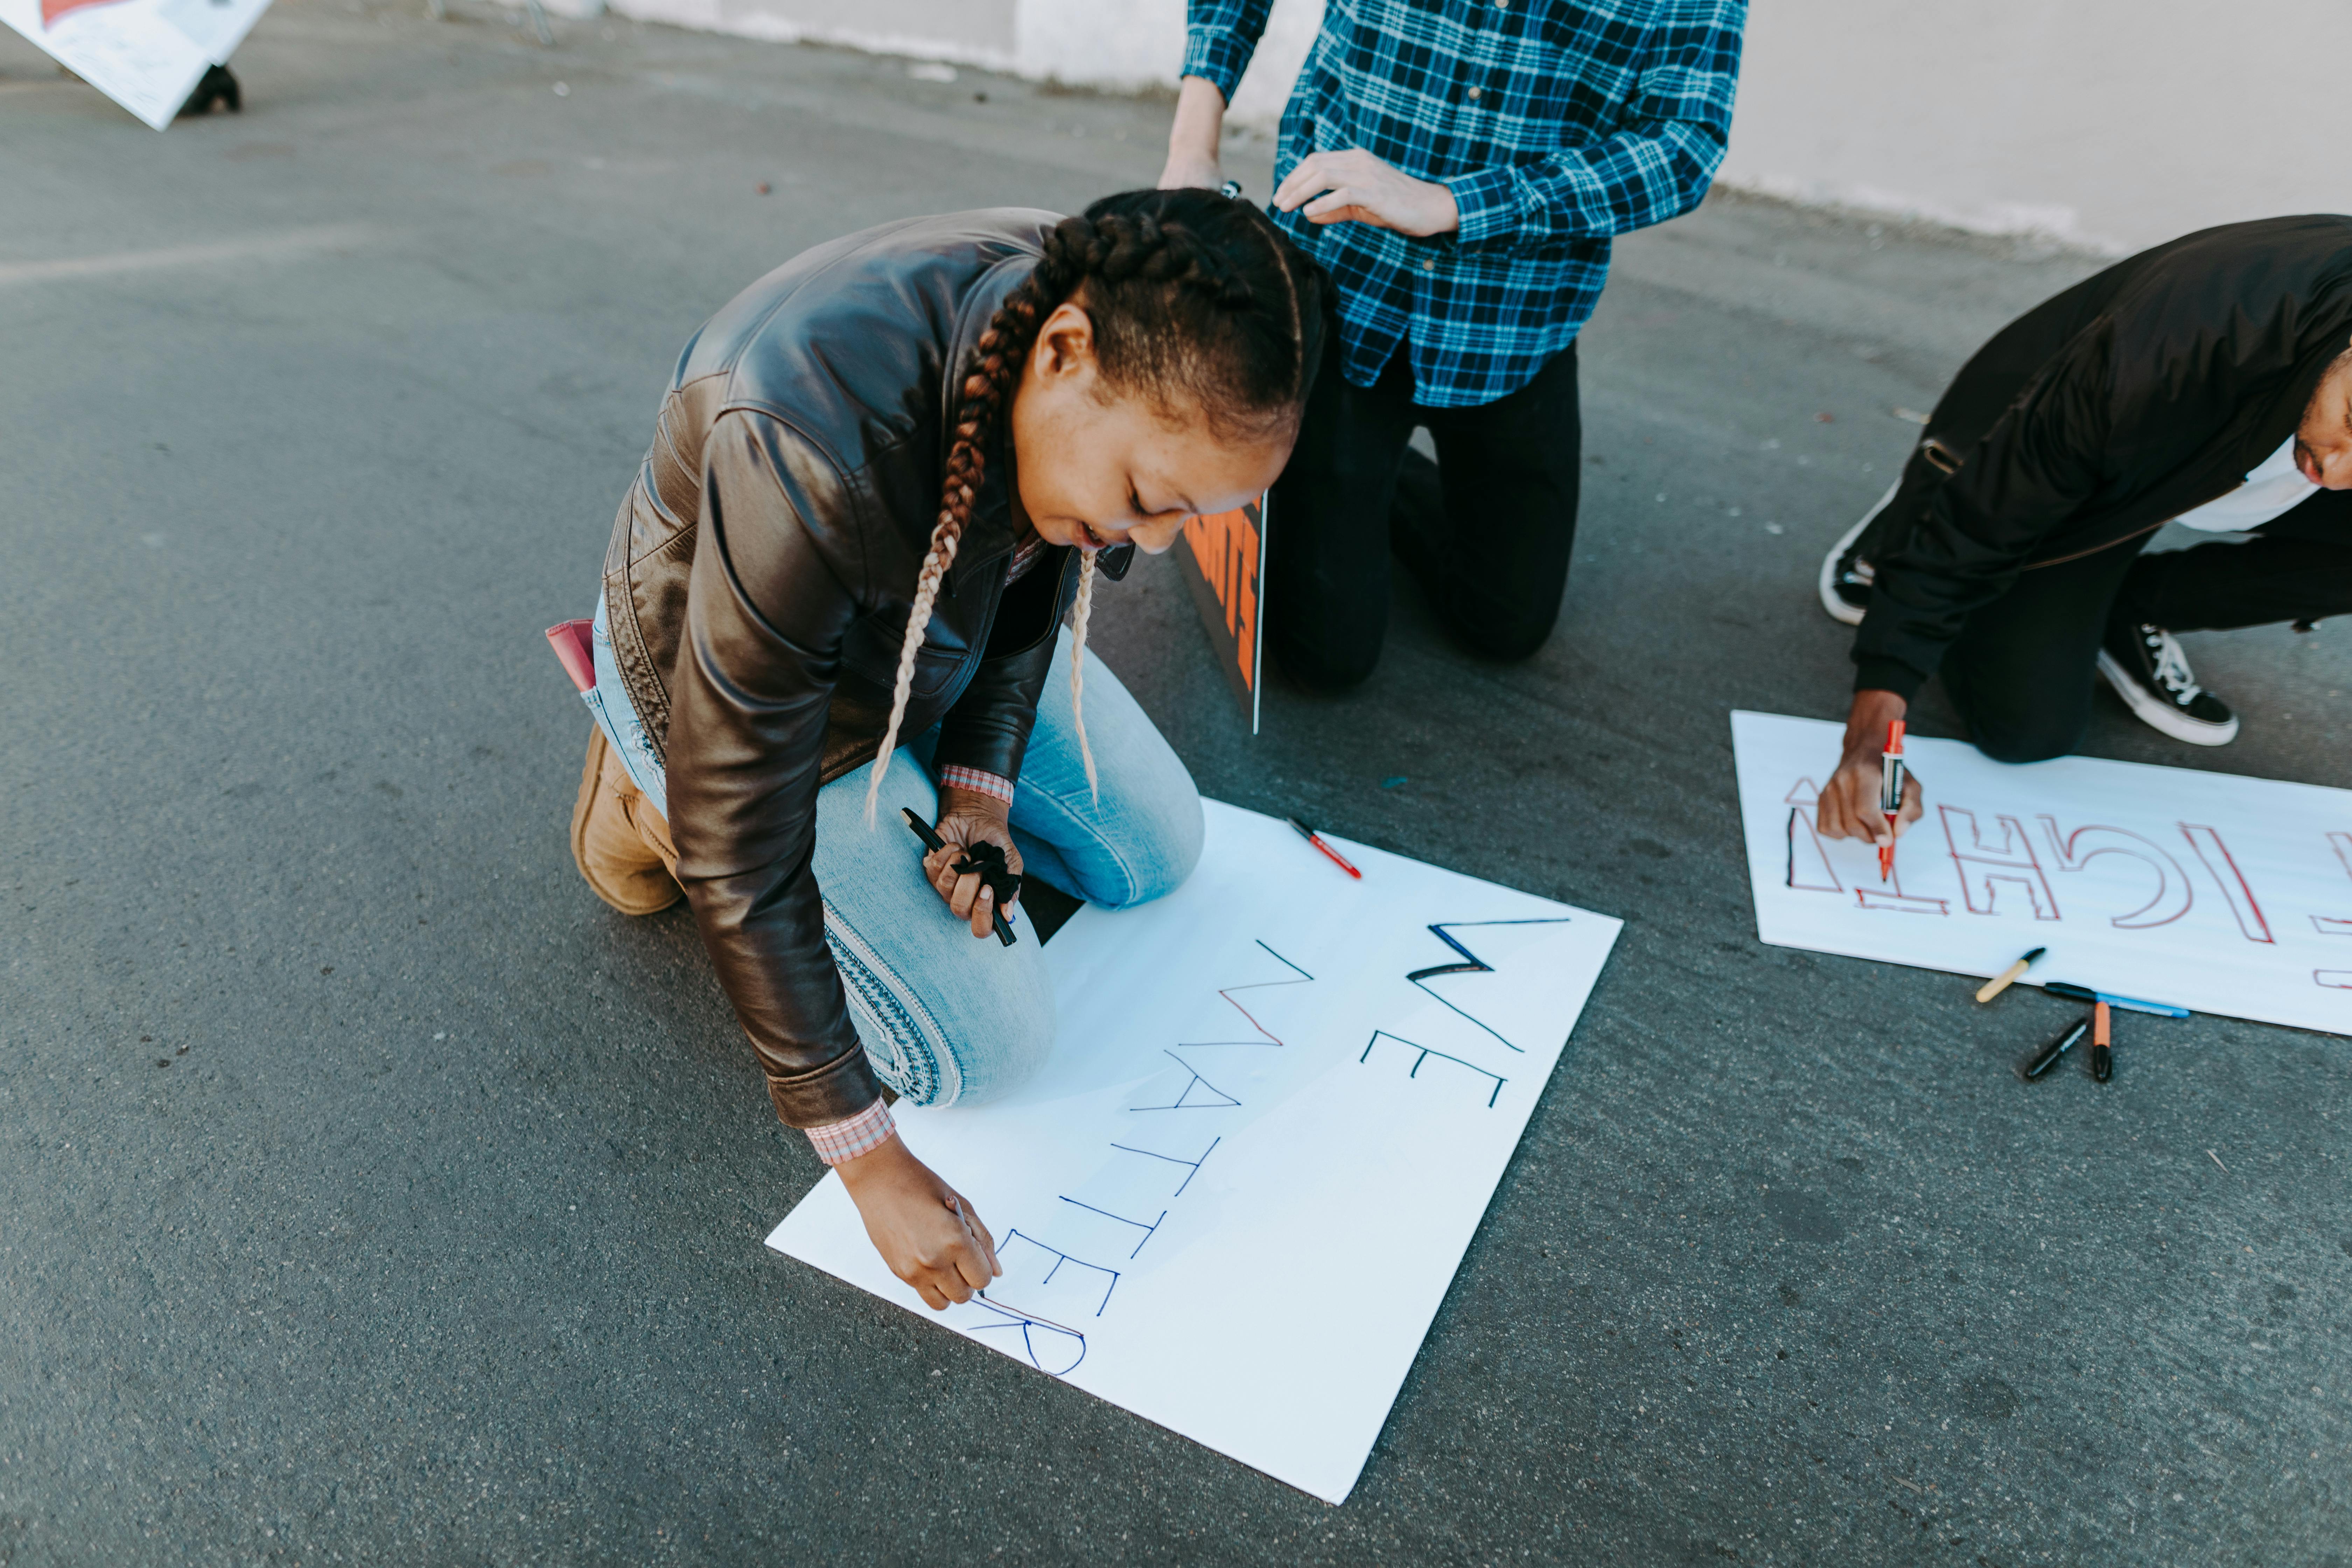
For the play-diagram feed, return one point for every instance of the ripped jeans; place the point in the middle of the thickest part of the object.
(947, 1019)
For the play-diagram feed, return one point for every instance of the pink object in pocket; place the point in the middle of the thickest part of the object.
(573, 648)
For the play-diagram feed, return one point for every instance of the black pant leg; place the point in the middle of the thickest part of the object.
(2020, 672)
(1327, 543)
(2218, 587)
(1511, 472)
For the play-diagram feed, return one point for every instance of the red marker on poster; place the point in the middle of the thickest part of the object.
(1331, 854)
(1890, 793)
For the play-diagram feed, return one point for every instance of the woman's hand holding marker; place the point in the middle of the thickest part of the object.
(1849, 807)
(968, 817)
(925, 1230)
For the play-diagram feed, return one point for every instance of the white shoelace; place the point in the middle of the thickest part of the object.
(2171, 666)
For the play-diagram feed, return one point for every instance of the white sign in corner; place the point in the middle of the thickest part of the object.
(2207, 891)
(1277, 1106)
(146, 55)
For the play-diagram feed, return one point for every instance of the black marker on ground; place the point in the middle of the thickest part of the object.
(2056, 1048)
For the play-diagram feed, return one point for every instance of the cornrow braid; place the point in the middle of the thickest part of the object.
(1301, 371)
(1176, 286)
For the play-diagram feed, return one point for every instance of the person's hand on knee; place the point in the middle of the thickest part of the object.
(1849, 803)
(968, 817)
(925, 1230)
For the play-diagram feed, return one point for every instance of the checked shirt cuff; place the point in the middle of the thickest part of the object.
(1488, 202)
(1218, 56)
(839, 1142)
(957, 776)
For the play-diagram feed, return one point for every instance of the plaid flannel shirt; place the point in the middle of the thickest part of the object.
(1556, 124)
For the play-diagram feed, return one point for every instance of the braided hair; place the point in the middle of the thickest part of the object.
(1197, 300)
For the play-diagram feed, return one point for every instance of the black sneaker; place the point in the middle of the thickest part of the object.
(1845, 575)
(2149, 672)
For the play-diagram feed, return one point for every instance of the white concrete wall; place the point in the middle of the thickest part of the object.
(968, 32)
(2110, 123)
(1140, 43)
(1120, 45)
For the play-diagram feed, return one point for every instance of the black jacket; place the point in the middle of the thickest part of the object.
(758, 585)
(2138, 395)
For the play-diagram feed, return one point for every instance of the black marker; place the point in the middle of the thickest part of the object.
(934, 843)
(2056, 1048)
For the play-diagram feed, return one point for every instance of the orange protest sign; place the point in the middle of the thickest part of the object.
(1223, 562)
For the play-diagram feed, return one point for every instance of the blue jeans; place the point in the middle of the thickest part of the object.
(948, 1018)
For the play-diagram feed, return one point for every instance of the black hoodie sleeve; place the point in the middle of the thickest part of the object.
(1965, 543)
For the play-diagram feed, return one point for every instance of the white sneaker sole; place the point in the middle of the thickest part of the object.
(1840, 611)
(2157, 714)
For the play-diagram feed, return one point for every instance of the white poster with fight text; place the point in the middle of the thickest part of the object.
(1278, 1102)
(2203, 891)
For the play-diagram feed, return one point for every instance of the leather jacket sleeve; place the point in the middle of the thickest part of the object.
(768, 604)
(1964, 545)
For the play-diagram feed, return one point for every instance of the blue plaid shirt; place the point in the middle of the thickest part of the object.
(1556, 124)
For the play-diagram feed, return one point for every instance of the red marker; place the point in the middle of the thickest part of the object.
(1890, 792)
(1317, 839)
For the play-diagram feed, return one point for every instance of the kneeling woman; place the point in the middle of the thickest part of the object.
(883, 477)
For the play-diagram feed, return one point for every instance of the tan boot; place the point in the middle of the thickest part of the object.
(618, 840)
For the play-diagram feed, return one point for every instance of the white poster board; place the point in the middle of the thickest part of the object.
(1279, 1100)
(2210, 893)
(146, 55)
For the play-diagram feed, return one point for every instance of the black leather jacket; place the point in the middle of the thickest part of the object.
(758, 585)
(2099, 416)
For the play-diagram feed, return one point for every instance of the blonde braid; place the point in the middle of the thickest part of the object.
(1079, 613)
(945, 538)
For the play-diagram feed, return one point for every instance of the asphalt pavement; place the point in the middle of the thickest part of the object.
(372, 1194)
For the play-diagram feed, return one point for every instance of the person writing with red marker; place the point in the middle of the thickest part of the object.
(2207, 382)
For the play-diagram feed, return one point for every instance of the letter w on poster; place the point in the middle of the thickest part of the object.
(1277, 1104)
(2214, 893)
